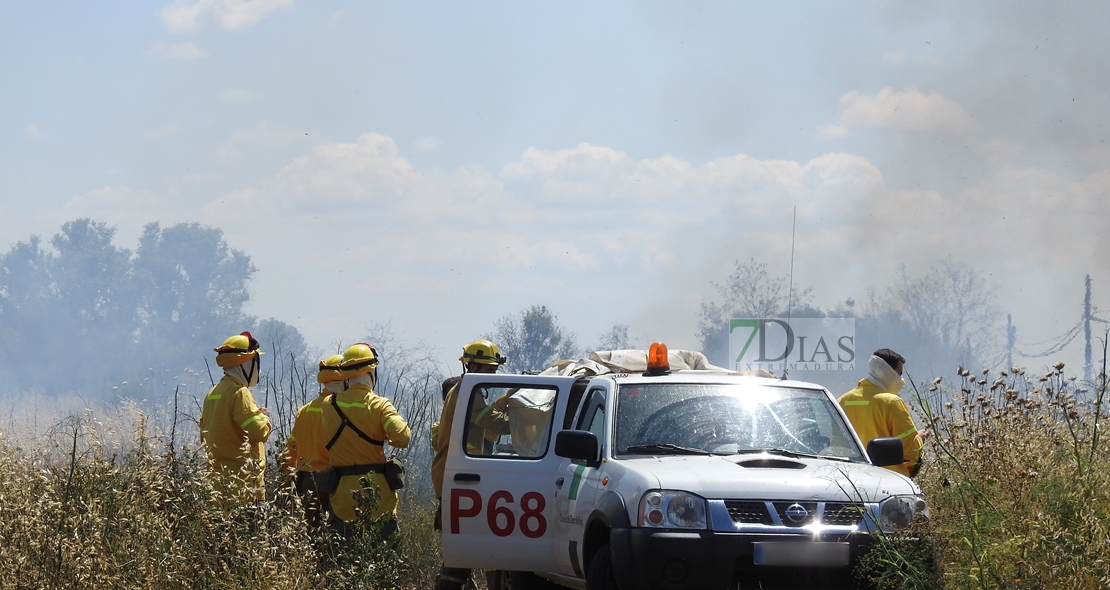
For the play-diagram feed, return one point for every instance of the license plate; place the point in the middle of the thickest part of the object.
(814, 554)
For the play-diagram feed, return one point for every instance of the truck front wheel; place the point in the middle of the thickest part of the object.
(600, 576)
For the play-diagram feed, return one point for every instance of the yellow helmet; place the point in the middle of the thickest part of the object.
(237, 350)
(329, 369)
(482, 352)
(358, 359)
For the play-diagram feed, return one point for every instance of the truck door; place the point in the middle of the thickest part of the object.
(499, 481)
(579, 485)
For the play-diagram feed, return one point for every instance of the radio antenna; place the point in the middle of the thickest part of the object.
(790, 289)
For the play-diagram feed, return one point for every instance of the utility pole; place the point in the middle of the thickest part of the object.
(1011, 339)
(1087, 331)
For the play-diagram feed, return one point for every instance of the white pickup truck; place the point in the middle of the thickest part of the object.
(679, 479)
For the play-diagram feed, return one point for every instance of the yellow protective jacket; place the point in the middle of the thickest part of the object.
(486, 421)
(875, 413)
(305, 450)
(233, 431)
(375, 416)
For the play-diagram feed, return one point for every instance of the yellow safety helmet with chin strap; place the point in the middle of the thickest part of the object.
(329, 369)
(237, 350)
(482, 352)
(358, 359)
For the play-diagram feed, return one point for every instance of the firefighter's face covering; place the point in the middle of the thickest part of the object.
(369, 380)
(246, 373)
(882, 374)
(335, 386)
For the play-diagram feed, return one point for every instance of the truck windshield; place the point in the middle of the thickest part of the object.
(729, 419)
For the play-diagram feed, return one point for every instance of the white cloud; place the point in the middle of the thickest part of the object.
(361, 217)
(585, 172)
(370, 169)
(909, 110)
(33, 131)
(183, 16)
(237, 95)
(186, 50)
(585, 159)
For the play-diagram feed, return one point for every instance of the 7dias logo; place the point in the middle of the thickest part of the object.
(803, 344)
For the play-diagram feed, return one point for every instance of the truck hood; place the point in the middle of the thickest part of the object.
(772, 477)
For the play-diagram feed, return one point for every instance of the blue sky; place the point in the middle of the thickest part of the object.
(438, 165)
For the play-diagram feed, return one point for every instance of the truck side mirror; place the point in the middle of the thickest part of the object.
(579, 445)
(885, 451)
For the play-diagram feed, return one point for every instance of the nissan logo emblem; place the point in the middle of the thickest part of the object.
(796, 513)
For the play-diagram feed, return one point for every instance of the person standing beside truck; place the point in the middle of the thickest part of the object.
(305, 452)
(876, 411)
(480, 356)
(232, 427)
(360, 422)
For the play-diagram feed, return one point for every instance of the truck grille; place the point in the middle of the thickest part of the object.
(841, 514)
(748, 512)
(757, 512)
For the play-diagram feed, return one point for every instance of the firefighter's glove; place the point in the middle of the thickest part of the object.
(501, 404)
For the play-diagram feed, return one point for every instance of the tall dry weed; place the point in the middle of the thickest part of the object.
(1018, 479)
(118, 496)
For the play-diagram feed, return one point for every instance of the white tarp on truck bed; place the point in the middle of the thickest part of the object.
(530, 409)
(629, 361)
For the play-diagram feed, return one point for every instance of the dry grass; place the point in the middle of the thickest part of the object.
(1017, 478)
(117, 496)
(78, 516)
(1018, 483)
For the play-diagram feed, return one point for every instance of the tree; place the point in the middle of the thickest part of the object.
(94, 301)
(749, 292)
(26, 296)
(118, 315)
(78, 295)
(615, 339)
(90, 275)
(279, 338)
(192, 287)
(532, 339)
(949, 306)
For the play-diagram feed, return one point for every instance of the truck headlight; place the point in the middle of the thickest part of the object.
(665, 509)
(897, 512)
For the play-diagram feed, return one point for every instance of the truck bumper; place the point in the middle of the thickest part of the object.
(680, 560)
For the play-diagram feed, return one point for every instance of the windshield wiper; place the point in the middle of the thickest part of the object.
(665, 447)
(787, 453)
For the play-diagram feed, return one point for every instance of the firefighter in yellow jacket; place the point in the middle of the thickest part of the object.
(359, 423)
(480, 356)
(305, 451)
(232, 428)
(876, 411)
